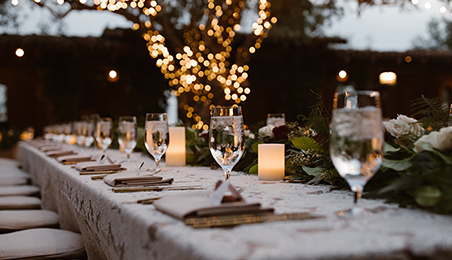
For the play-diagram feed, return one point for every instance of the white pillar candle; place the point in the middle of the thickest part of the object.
(271, 162)
(175, 154)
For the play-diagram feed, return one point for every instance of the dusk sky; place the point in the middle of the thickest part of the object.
(382, 28)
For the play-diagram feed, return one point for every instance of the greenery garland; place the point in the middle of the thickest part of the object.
(414, 172)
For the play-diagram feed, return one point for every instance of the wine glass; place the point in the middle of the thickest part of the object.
(276, 119)
(78, 129)
(226, 138)
(356, 144)
(88, 129)
(157, 135)
(103, 133)
(94, 118)
(127, 134)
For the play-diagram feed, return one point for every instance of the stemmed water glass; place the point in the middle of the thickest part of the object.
(226, 138)
(87, 131)
(356, 144)
(276, 119)
(156, 136)
(127, 134)
(104, 133)
(79, 137)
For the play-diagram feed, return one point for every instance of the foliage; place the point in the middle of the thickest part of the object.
(198, 153)
(432, 112)
(8, 16)
(439, 36)
(303, 18)
(420, 177)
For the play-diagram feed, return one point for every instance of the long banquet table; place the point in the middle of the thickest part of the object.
(115, 226)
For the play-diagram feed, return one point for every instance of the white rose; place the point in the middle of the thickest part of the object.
(266, 131)
(396, 128)
(427, 142)
(445, 138)
(406, 119)
(416, 131)
(441, 140)
(249, 134)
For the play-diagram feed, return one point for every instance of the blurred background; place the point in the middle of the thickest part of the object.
(60, 60)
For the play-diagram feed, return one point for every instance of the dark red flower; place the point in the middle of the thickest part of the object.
(205, 136)
(281, 132)
(321, 138)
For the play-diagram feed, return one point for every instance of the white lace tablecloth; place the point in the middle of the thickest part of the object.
(115, 226)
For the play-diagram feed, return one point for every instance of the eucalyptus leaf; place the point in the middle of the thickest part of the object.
(397, 165)
(255, 147)
(254, 169)
(403, 183)
(426, 161)
(440, 176)
(313, 171)
(427, 196)
(304, 143)
(390, 149)
(445, 158)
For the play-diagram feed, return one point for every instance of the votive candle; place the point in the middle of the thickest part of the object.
(271, 162)
(175, 154)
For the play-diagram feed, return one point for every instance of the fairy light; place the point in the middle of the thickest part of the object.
(188, 70)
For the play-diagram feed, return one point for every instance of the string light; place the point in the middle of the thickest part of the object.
(204, 63)
(196, 64)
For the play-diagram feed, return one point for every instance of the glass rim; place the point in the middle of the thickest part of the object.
(217, 111)
(156, 117)
(370, 93)
(121, 118)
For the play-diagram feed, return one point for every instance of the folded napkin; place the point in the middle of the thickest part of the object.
(59, 153)
(48, 148)
(196, 204)
(129, 180)
(96, 166)
(75, 158)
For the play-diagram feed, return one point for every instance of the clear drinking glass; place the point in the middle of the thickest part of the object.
(276, 119)
(94, 118)
(88, 132)
(104, 133)
(157, 135)
(356, 144)
(78, 130)
(68, 133)
(226, 138)
(127, 134)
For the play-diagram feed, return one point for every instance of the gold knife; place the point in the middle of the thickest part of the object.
(155, 188)
(234, 220)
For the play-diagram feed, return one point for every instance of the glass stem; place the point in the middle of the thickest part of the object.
(358, 195)
(227, 173)
(157, 164)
